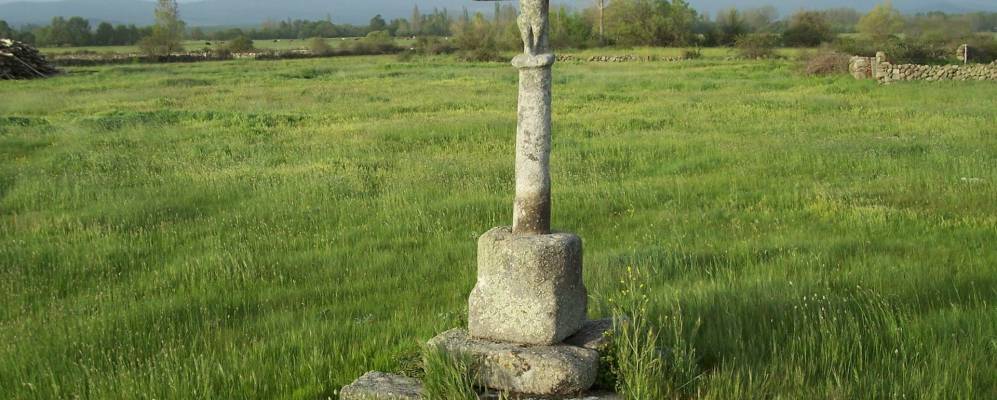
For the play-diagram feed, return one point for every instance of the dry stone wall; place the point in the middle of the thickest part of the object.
(880, 69)
(616, 59)
(913, 72)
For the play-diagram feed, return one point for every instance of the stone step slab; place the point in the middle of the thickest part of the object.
(532, 370)
(382, 386)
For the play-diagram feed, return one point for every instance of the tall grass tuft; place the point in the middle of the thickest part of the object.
(639, 368)
(650, 359)
(448, 376)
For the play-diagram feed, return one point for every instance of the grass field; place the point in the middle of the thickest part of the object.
(254, 229)
(194, 45)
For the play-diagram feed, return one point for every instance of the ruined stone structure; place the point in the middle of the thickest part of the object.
(880, 69)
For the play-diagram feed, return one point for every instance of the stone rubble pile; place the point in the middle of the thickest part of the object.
(22, 61)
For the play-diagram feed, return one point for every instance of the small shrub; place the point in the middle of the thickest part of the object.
(485, 54)
(434, 46)
(319, 46)
(855, 47)
(377, 42)
(827, 62)
(447, 376)
(756, 46)
(692, 54)
(406, 56)
(241, 44)
(159, 45)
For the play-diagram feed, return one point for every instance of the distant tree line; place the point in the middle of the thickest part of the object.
(602, 23)
(76, 31)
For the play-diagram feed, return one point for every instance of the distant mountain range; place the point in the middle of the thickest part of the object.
(253, 12)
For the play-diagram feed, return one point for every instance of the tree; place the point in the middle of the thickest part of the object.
(78, 31)
(761, 19)
(197, 34)
(415, 24)
(567, 29)
(126, 35)
(6, 31)
(842, 20)
(881, 23)
(104, 35)
(58, 33)
(649, 22)
(807, 29)
(377, 24)
(475, 39)
(167, 34)
(731, 25)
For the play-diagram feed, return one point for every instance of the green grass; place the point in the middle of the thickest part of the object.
(447, 375)
(253, 229)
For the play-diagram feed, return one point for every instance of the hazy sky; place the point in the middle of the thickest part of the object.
(403, 7)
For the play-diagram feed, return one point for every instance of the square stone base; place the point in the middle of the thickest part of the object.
(529, 288)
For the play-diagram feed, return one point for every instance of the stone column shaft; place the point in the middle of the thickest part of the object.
(531, 214)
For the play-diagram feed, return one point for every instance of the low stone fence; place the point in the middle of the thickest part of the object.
(616, 59)
(914, 72)
(880, 69)
(83, 60)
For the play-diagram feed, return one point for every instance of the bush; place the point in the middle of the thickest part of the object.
(159, 45)
(241, 44)
(982, 49)
(691, 54)
(434, 46)
(476, 40)
(807, 29)
(319, 46)
(827, 62)
(900, 51)
(920, 50)
(756, 45)
(376, 42)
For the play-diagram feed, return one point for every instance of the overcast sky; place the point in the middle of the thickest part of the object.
(395, 8)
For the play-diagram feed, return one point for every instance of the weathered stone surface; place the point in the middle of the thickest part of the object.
(593, 335)
(531, 213)
(529, 288)
(382, 386)
(531, 370)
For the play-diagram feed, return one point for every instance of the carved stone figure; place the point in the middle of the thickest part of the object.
(533, 24)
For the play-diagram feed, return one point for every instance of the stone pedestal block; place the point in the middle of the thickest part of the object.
(531, 370)
(529, 289)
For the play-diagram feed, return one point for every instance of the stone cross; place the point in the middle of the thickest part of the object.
(526, 328)
(530, 287)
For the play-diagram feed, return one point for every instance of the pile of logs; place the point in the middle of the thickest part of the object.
(21, 61)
